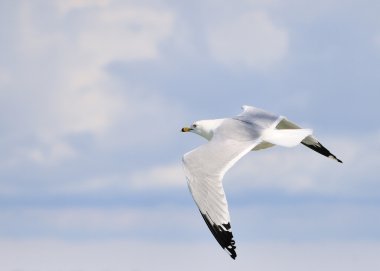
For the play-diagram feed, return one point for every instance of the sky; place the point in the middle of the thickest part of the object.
(93, 94)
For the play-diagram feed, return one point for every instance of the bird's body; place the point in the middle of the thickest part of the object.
(229, 140)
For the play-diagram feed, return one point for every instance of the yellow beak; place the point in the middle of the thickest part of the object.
(186, 129)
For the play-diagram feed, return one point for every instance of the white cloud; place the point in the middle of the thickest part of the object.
(72, 93)
(65, 6)
(119, 221)
(87, 219)
(251, 39)
(170, 175)
(154, 178)
(142, 178)
(54, 152)
(166, 176)
(125, 32)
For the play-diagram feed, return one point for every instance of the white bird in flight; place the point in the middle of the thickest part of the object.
(229, 140)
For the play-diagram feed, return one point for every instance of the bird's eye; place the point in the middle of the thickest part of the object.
(194, 126)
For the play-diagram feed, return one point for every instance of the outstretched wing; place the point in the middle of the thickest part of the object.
(310, 141)
(204, 168)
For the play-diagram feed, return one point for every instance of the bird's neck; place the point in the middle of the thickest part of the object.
(209, 127)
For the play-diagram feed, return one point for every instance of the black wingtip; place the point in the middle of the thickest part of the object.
(230, 249)
(332, 156)
(318, 147)
(222, 234)
(233, 256)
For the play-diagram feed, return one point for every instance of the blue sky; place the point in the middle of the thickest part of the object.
(93, 94)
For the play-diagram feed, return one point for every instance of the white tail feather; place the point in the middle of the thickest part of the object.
(286, 137)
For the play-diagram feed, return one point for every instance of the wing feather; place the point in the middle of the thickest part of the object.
(204, 169)
(206, 165)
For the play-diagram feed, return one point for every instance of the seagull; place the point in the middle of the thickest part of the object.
(229, 139)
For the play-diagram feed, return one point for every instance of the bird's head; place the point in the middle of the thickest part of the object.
(194, 128)
(204, 128)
